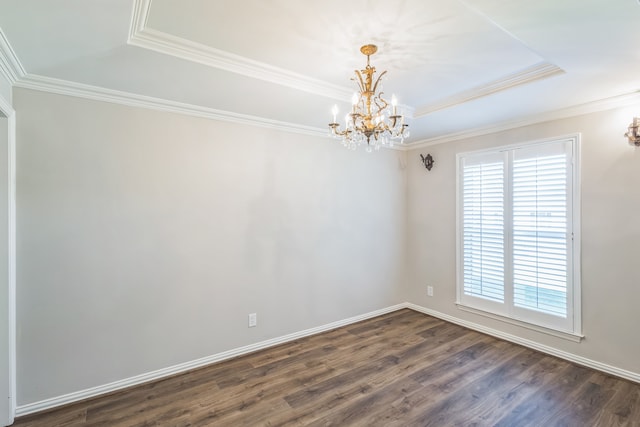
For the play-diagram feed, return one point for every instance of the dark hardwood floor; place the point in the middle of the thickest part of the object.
(400, 369)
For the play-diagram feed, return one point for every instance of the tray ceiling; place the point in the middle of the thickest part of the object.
(455, 66)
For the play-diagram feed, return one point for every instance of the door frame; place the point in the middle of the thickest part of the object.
(7, 111)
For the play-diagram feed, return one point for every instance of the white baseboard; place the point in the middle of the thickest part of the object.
(66, 399)
(599, 366)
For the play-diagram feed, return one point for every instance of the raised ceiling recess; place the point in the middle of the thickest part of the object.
(455, 66)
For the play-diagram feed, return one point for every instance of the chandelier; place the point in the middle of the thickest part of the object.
(370, 120)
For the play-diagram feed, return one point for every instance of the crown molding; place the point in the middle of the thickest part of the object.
(530, 74)
(80, 90)
(139, 17)
(64, 87)
(5, 107)
(142, 36)
(618, 101)
(10, 66)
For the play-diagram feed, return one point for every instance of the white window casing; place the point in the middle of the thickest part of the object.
(518, 242)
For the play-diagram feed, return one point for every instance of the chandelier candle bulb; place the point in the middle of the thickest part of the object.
(394, 102)
(334, 110)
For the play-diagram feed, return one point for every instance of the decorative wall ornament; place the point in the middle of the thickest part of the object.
(427, 161)
(632, 132)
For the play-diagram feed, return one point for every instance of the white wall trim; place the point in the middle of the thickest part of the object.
(196, 52)
(54, 402)
(5, 107)
(139, 17)
(527, 75)
(10, 66)
(619, 101)
(9, 112)
(575, 337)
(159, 374)
(65, 87)
(11, 297)
(589, 363)
(81, 90)
(142, 36)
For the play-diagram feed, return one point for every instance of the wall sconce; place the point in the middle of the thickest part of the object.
(632, 132)
(428, 161)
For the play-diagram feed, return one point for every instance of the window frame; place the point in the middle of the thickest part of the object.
(507, 312)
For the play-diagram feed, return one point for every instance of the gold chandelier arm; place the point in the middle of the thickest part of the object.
(360, 81)
(375, 86)
(380, 102)
(335, 131)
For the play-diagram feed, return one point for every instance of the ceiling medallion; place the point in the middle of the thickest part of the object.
(370, 120)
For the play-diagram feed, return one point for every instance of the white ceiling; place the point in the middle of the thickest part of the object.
(456, 65)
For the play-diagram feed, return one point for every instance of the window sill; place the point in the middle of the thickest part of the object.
(570, 336)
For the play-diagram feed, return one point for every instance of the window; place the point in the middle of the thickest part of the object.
(517, 240)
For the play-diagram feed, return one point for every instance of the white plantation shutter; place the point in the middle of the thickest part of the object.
(516, 240)
(483, 227)
(540, 234)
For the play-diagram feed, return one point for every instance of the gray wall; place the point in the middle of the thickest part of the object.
(610, 234)
(145, 238)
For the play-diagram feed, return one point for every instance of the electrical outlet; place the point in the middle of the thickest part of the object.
(253, 320)
(430, 291)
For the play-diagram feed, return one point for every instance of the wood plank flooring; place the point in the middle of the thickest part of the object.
(400, 369)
